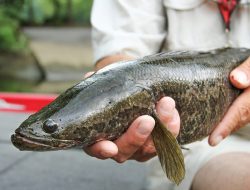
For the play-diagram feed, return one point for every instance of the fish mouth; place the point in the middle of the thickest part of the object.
(22, 142)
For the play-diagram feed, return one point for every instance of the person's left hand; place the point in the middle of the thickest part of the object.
(238, 114)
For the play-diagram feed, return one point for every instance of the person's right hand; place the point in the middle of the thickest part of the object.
(136, 143)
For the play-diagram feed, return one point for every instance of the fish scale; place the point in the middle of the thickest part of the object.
(104, 105)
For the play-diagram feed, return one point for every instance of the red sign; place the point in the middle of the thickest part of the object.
(24, 102)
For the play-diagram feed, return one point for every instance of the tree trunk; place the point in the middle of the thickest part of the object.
(30, 11)
(69, 18)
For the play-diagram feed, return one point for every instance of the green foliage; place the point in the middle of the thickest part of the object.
(82, 10)
(37, 12)
(11, 38)
(56, 12)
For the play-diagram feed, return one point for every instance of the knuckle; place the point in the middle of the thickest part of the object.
(150, 149)
(144, 158)
(226, 130)
(133, 144)
(135, 141)
(225, 133)
(146, 153)
(244, 114)
(231, 125)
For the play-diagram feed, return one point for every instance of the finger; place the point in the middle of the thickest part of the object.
(102, 150)
(168, 114)
(237, 116)
(240, 77)
(88, 74)
(134, 138)
(146, 152)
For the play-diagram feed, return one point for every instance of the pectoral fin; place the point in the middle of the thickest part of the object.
(169, 152)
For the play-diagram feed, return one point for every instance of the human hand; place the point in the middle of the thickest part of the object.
(238, 114)
(136, 143)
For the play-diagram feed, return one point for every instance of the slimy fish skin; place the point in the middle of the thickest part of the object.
(104, 105)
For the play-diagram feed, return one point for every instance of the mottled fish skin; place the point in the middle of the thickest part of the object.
(104, 105)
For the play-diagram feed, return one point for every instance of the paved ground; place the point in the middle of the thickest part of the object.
(60, 170)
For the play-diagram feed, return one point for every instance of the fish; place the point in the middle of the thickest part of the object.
(105, 104)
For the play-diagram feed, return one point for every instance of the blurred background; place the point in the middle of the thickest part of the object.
(45, 47)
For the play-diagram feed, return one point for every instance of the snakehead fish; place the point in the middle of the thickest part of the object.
(104, 105)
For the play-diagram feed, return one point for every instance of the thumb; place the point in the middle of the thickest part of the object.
(240, 76)
(169, 115)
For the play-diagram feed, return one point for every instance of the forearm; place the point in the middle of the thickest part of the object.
(111, 59)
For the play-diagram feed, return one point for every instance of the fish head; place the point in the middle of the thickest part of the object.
(39, 133)
(84, 114)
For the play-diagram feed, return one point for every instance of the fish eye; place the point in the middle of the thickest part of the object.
(49, 126)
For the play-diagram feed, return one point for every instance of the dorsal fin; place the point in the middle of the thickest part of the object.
(170, 55)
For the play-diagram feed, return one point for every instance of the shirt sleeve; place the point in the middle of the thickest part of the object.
(132, 27)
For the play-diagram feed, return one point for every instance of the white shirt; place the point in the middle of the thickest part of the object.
(138, 27)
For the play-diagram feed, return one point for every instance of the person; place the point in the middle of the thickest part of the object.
(125, 30)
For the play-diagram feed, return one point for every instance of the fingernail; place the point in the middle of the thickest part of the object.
(165, 110)
(217, 140)
(144, 128)
(242, 78)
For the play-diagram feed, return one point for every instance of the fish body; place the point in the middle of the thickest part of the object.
(105, 104)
